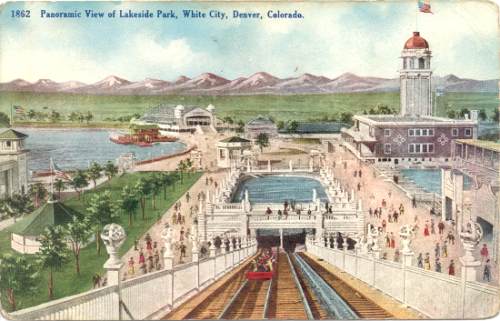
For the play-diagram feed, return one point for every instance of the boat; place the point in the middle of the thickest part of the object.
(144, 144)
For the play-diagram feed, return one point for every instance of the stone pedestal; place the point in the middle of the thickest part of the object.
(407, 258)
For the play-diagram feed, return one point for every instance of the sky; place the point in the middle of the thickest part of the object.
(365, 38)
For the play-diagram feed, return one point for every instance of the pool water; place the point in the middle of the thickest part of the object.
(277, 189)
(75, 148)
(430, 179)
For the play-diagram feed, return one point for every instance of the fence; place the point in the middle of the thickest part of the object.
(142, 297)
(436, 295)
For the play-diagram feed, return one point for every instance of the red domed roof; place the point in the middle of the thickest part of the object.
(416, 42)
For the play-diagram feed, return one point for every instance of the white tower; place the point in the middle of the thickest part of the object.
(415, 77)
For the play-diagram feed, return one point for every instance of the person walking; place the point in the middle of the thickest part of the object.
(441, 227)
(487, 271)
(427, 262)
(451, 268)
(437, 251)
(438, 265)
(444, 249)
(131, 266)
(426, 230)
(420, 262)
(484, 252)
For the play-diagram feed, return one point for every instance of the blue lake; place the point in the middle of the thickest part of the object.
(75, 148)
(277, 189)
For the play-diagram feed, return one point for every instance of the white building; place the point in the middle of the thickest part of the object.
(415, 77)
(173, 120)
(13, 163)
(230, 151)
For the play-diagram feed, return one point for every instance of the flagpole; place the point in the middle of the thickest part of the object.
(51, 180)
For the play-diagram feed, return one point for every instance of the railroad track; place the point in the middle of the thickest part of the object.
(285, 300)
(317, 311)
(363, 306)
(249, 302)
(212, 306)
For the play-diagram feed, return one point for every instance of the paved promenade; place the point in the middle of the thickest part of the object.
(374, 189)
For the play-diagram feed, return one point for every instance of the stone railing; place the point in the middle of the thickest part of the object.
(436, 295)
(148, 296)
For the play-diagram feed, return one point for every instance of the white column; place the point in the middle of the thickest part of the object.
(269, 165)
(281, 238)
(113, 236)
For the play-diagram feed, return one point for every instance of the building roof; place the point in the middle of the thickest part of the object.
(49, 214)
(317, 127)
(395, 120)
(416, 42)
(260, 120)
(235, 139)
(12, 134)
(165, 113)
(486, 144)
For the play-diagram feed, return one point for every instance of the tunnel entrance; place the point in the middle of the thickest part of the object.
(292, 238)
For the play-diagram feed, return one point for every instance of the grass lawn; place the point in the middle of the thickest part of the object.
(67, 282)
(281, 107)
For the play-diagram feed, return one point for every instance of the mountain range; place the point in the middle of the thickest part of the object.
(258, 83)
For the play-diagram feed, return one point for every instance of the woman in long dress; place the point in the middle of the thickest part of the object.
(426, 230)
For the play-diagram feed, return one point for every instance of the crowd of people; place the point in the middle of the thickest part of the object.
(265, 261)
(433, 239)
(289, 208)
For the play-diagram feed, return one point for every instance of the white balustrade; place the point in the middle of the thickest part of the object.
(146, 296)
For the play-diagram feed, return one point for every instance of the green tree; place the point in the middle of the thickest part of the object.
(129, 202)
(156, 184)
(166, 179)
(38, 192)
(102, 210)
(53, 253)
(142, 189)
(262, 141)
(73, 116)
(464, 111)
(88, 117)
(228, 120)
(482, 115)
(496, 115)
(181, 168)
(17, 205)
(17, 275)
(94, 172)
(59, 185)
(280, 124)
(346, 117)
(79, 182)
(451, 114)
(4, 120)
(78, 231)
(292, 126)
(110, 170)
(54, 116)
(81, 117)
(31, 114)
(241, 126)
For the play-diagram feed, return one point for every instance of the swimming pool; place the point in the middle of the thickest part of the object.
(277, 189)
(430, 179)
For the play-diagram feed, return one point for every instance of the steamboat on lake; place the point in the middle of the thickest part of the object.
(142, 135)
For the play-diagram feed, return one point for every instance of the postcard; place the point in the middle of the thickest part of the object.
(249, 160)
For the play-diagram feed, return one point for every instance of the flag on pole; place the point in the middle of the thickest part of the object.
(424, 6)
(58, 172)
(19, 110)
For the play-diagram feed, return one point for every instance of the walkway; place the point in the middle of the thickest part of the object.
(374, 189)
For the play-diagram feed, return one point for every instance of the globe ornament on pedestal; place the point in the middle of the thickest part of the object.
(113, 236)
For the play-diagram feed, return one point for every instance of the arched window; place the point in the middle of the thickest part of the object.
(404, 63)
(411, 63)
(421, 63)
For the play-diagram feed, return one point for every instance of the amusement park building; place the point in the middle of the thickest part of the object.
(415, 135)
